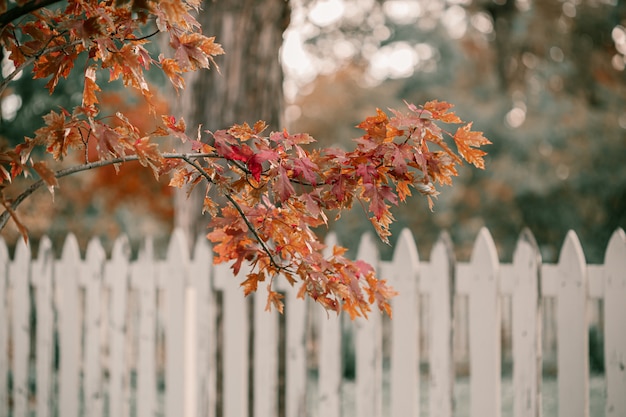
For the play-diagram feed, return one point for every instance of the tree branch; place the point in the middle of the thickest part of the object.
(189, 158)
(251, 227)
(4, 217)
(19, 11)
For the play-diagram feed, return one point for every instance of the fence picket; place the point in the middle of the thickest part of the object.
(205, 361)
(180, 295)
(369, 348)
(143, 278)
(405, 356)
(573, 339)
(174, 274)
(329, 356)
(484, 327)
(526, 306)
(4, 328)
(235, 344)
(94, 275)
(295, 350)
(116, 278)
(44, 304)
(614, 315)
(441, 360)
(66, 275)
(265, 357)
(19, 271)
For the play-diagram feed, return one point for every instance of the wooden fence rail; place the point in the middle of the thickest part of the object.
(175, 337)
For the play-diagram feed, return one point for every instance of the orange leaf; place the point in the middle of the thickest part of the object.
(439, 111)
(375, 126)
(89, 92)
(467, 142)
(251, 283)
(274, 299)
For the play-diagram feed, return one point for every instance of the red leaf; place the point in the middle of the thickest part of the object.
(282, 185)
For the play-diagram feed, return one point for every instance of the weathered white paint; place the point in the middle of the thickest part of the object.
(572, 330)
(526, 328)
(143, 280)
(295, 351)
(204, 363)
(265, 356)
(19, 271)
(329, 356)
(235, 343)
(42, 283)
(67, 275)
(438, 283)
(174, 275)
(484, 327)
(4, 328)
(93, 280)
(107, 309)
(405, 328)
(116, 279)
(614, 327)
(368, 339)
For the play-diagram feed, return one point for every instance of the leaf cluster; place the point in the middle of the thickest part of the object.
(266, 192)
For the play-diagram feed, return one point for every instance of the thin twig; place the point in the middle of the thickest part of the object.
(239, 210)
(4, 217)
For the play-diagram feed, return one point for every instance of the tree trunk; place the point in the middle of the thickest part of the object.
(248, 86)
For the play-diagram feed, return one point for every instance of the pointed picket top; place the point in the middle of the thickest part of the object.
(527, 253)
(572, 258)
(146, 251)
(526, 242)
(178, 248)
(202, 249)
(45, 249)
(95, 252)
(616, 249)
(367, 249)
(614, 313)
(22, 252)
(406, 253)
(121, 248)
(484, 253)
(71, 251)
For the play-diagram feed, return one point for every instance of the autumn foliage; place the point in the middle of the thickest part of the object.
(266, 191)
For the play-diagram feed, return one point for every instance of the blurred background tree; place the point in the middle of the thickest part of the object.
(545, 81)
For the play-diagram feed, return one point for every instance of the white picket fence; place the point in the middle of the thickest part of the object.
(113, 337)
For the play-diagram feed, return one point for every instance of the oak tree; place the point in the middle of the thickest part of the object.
(266, 191)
